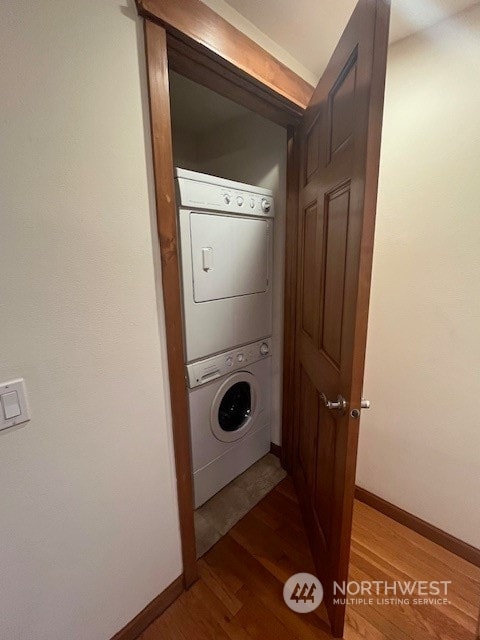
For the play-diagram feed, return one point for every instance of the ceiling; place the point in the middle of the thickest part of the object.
(309, 29)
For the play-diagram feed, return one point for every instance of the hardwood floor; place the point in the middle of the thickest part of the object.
(239, 593)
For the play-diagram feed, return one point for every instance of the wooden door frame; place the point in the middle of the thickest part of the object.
(188, 37)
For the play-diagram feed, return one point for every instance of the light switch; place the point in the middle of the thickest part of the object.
(13, 404)
(10, 405)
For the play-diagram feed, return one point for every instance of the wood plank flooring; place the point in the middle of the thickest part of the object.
(239, 593)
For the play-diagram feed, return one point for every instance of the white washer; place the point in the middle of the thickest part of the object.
(226, 234)
(229, 399)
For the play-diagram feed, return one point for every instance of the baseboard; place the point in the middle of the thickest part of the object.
(429, 531)
(276, 449)
(137, 626)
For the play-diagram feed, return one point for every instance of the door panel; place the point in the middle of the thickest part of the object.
(312, 225)
(308, 432)
(312, 150)
(337, 206)
(342, 106)
(325, 456)
(339, 155)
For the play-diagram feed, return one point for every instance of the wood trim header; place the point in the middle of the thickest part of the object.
(190, 62)
(193, 20)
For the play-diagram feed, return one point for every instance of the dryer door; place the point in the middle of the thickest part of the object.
(234, 407)
(230, 256)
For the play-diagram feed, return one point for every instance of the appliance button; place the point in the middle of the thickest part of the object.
(240, 357)
(264, 349)
(240, 201)
(227, 198)
(252, 203)
(266, 206)
(229, 361)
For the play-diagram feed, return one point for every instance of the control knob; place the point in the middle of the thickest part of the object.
(264, 349)
(227, 198)
(239, 201)
(266, 206)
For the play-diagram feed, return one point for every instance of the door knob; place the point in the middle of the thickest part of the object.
(340, 404)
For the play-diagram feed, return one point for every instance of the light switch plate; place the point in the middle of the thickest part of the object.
(13, 386)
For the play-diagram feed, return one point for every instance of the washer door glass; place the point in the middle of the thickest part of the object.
(235, 407)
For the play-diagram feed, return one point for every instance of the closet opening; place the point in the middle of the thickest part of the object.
(231, 185)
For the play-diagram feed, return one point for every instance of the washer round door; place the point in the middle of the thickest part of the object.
(234, 407)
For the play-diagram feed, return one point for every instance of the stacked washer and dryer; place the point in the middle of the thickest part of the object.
(226, 247)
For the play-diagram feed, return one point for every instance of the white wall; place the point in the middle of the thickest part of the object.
(253, 150)
(88, 526)
(185, 150)
(420, 441)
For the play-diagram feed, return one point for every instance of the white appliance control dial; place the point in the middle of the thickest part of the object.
(240, 357)
(264, 349)
(266, 206)
(227, 198)
(252, 203)
(240, 201)
(229, 361)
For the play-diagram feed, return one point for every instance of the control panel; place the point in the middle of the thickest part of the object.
(201, 191)
(209, 369)
(249, 204)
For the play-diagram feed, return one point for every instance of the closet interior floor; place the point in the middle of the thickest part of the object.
(217, 516)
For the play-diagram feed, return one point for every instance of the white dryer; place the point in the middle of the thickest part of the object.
(226, 234)
(229, 399)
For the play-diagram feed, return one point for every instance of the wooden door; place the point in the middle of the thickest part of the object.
(339, 157)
